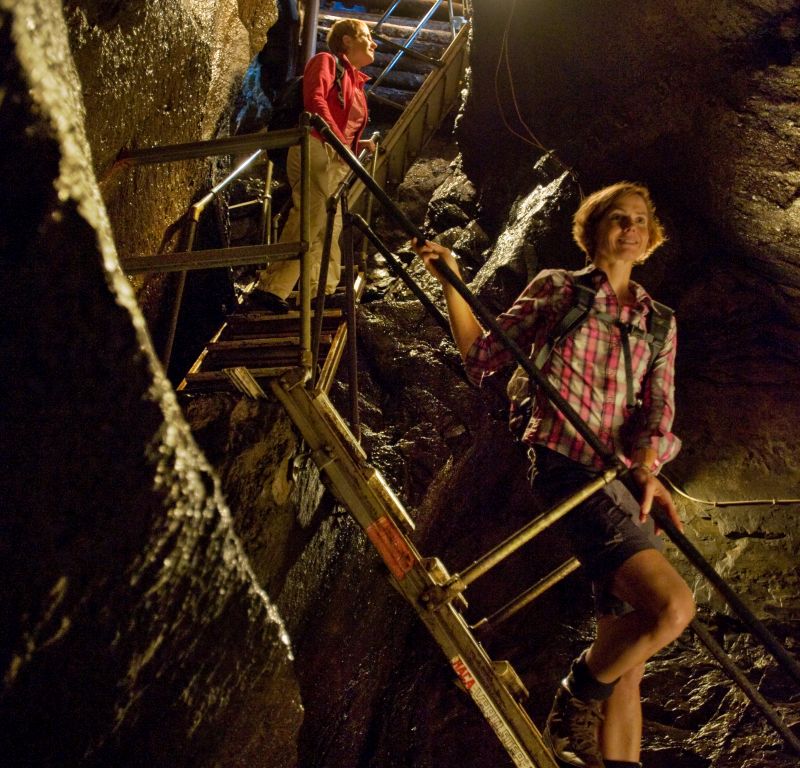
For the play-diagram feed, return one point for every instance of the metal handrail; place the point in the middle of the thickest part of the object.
(408, 42)
(197, 150)
(259, 142)
(337, 198)
(609, 458)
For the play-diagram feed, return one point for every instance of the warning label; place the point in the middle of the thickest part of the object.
(392, 546)
(492, 715)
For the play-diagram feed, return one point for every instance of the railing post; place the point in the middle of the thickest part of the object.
(319, 301)
(368, 212)
(191, 231)
(310, 23)
(266, 207)
(350, 297)
(305, 237)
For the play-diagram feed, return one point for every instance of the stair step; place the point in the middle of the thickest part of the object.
(263, 324)
(433, 31)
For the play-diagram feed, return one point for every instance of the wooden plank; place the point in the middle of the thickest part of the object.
(264, 324)
(217, 359)
(271, 342)
(403, 98)
(404, 64)
(401, 25)
(415, 8)
(407, 81)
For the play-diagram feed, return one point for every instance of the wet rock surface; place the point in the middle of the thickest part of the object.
(154, 586)
(133, 629)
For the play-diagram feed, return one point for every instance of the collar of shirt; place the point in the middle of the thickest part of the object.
(644, 302)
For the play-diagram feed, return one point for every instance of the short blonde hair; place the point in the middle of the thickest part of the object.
(340, 28)
(595, 206)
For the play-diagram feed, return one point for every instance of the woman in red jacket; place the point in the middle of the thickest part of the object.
(333, 87)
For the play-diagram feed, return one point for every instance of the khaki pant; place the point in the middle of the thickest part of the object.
(327, 171)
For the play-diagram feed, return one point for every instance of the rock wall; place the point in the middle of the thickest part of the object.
(142, 579)
(134, 630)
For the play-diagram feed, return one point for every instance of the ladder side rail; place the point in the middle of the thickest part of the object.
(350, 299)
(338, 456)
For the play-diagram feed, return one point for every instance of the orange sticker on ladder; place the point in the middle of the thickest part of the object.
(392, 546)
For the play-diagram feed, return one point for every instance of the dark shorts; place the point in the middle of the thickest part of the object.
(604, 531)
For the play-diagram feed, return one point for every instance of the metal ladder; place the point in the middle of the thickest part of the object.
(424, 582)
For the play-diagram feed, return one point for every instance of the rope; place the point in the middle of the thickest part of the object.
(747, 502)
(533, 141)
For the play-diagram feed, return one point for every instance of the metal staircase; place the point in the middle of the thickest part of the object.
(255, 353)
(269, 346)
(494, 686)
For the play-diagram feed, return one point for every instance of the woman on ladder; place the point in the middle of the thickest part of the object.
(333, 88)
(642, 603)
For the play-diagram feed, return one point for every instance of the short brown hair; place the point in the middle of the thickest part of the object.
(596, 205)
(340, 28)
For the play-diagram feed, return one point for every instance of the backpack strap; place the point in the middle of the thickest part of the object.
(519, 386)
(572, 319)
(338, 79)
(659, 322)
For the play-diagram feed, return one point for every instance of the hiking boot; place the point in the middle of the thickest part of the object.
(336, 300)
(572, 730)
(263, 301)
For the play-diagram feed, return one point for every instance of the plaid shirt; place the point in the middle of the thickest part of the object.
(588, 369)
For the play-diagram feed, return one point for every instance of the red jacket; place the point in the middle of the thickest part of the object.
(322, 97)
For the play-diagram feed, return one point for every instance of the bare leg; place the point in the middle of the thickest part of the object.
(663, 607)
(621, 729)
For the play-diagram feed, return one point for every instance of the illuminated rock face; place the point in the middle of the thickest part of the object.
(134, 630)
(149, 588)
